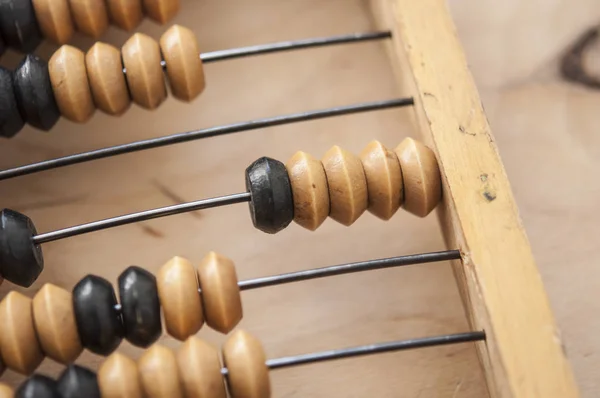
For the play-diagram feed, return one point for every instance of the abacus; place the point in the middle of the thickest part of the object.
(456, 170)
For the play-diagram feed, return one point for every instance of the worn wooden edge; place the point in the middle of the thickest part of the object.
(499, 281)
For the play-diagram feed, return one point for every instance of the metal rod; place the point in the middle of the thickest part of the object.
(141, 216)
(284, 362)
(199, 134)
(222, 55)
(349, 268)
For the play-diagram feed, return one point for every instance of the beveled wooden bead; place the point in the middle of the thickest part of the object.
(421, 174)
(181, 303)
(126, 14)
(347, 185)
(6, 391)
(141, 58)
(161, 10)
(77, 382)
(158, 373)
(54, 321)
(200, 370)
(70, 84)
(220, 292)
(184, 67)
(107, 82)
(19, 345)
(310, 190)
(54, 19)
(118, 377)
(244, 357)
(18, 25)
(384, 180)
(38, 386)
(91, 16)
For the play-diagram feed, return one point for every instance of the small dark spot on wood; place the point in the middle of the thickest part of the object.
(489, 196)
(422, 64)
(314, 186)
(428, 94)
(463, 130)
(483, 177)
(152, 232)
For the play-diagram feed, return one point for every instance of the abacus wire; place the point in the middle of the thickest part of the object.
(200, 134)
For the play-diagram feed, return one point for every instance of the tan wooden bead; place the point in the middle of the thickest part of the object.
(118, 378)
(158, 373)
(19, 345)
(126, 14)
(69, 79)
(141, 57)
(200, 370)
(309, 189)
(54, 19)
(384, 180)
(244, 357)
(6, 391)
(91, 16)
(220, 292)
(107, 82)
(184, 67)
(179, 298)
(54, 321)
(421, 174)
(161, 11)
(347, 183)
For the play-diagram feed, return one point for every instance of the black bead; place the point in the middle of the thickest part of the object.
(78, 382)
(11, 121)
(38, 386)
(140, 306)
(33, 90)
(21, 260)
(2, 47)
(272, 204)
(18, 25)
(98, 322)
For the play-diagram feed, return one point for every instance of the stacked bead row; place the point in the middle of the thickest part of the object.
(60, 324)
(24, 22)
(74, 84)
(194, 371)
(342, 186)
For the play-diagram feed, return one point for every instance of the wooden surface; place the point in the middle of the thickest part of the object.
(556, 118)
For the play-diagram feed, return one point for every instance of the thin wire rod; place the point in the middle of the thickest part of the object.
(222, 55)
(349, 268)
(141, 216)
(400, 345)
(200, 134)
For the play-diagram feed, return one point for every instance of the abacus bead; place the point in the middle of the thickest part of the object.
(91, 16)
(272, 204)
(38, 386)
(33, 91)
(196, 357)
(54, 19)
(21, 260)
(126, 14)
(384, 180)
(19, 345)
(179, 298)
(18, 25)
(11, 121)
(98, 322)
(141, 58)
(422, 181)
(54, 320)
(140, 307)
(2, 45)
(107, 82)
(347, 185)
(309, 189)
(161, 10)
(158, 373)
(220, 292)
(118, 378)
(77, 382)
(184, 67)
(6, 391)
(244, 357)
(70, 84)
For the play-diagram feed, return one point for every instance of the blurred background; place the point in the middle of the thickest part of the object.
(545, 126)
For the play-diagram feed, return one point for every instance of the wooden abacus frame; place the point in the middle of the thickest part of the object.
(500, 285)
